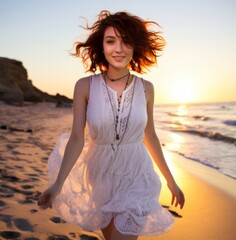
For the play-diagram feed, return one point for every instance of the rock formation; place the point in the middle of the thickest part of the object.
(15, 87)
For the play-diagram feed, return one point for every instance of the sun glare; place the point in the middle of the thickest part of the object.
(183, 91)
(182, 110)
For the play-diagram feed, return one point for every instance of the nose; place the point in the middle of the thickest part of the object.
(118, 48)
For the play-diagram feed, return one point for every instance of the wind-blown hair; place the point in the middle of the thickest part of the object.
(147, 44)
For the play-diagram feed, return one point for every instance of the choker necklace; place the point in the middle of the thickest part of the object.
(116, 79)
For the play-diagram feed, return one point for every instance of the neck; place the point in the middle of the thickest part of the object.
(117, 75)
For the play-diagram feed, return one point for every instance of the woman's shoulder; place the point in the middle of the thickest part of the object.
(85, 81)
(149, 88)
(82, 86)
(147, 84)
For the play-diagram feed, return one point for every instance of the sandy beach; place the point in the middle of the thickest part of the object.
(27, 137)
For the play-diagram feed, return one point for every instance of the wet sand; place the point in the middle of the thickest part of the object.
(27, 137)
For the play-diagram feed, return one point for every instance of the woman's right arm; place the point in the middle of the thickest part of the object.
(76, 140)
(75, 144)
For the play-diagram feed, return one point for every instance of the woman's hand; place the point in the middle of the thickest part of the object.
(46, 198)
(177, 195)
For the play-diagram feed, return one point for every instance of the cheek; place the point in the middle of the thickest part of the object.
(106, 49)
(106, 52)
(130, 52)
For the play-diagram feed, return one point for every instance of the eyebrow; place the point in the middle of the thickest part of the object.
(109, 36)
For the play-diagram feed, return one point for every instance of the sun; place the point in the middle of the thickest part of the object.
(183, 91)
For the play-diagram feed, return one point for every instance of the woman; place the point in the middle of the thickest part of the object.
(111, 184)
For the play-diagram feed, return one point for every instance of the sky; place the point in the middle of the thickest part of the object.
(197, 65)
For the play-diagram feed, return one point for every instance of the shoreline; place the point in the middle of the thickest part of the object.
(204, 173)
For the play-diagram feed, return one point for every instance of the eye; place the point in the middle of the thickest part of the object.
(110, 41)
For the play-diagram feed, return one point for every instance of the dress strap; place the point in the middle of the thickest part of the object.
(144, 85)
(89, 91)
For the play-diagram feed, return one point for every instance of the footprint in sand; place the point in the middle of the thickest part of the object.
(19, 167)
(33, 174)
(30, 197)
(10, 189)
(33, 211)
(6, 193)
(27, 186)
(26, 201)
(31, 238)
(57, 237)
(2, 172)
(45, 159)
(86, 237)
(7, 219)
(57, 220)
(34, 179)
(2, 203)
(10, 235)
(10, 178)
(37, 170)
(34, 196)
(23, 224)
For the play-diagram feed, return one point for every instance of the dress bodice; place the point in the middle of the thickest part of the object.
(132, 117)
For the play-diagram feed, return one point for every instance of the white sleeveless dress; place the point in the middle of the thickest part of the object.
(112, 178)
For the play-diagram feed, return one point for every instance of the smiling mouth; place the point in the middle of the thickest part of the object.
(118, 57)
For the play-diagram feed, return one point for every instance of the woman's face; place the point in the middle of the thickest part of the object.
(117, 52)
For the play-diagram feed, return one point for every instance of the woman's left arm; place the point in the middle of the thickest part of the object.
(154, 147)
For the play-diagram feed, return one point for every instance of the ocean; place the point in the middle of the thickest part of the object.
(204, 132)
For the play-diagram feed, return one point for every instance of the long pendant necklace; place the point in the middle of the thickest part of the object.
(116, 116)
(118, 110)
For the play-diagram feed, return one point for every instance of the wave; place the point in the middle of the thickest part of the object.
(205, 163)
(230, 122)
(203, 118)
(199, 117)
(208, 134)
(213, 135)
(178, 126)
(176, 114)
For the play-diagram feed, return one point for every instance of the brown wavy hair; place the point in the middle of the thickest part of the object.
(147, 44)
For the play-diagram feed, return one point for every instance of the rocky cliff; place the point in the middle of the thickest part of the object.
(15, 87)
